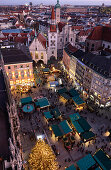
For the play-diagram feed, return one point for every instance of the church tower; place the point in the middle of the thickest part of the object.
(57, 7)
(52, 37)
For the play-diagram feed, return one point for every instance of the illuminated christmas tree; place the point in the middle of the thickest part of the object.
(42, 157)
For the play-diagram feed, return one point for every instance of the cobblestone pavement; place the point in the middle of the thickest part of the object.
(36, 123)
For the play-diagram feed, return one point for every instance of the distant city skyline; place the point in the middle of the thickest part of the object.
(62, 2)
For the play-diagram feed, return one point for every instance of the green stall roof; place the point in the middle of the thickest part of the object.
(73, 92)
(103, 160)
(74, 116)
(98, 168)
(48, 115)
(65, 96)
(56, 130)
(85, 125)
(87, 135)
(86, 162)
(63, 90)
(65, 127)
(42, 102)
(26, 100)
(77, 100)
(72, 167)
(55, 112)
(78, 127)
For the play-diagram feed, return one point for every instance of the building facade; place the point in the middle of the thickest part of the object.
(91, 74)
(18, 67)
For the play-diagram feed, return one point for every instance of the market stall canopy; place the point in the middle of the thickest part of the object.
(55, 112)
(61, 129)
(84, 124)
(74, 116)
(87, 135)
(42, 102)
(73, 92)
(72, 167)
(77, 126)
(86, 162)
(26, 100)
(63, 90)
(103, 160)
(48, 115)
(77, 100)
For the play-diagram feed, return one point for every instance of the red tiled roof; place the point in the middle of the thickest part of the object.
(4, 38)
(21, 39)
(77, 27)
(5, 34)
(84, 32)
(52, 28)
(53, 13)
(61, 25)
(71, 48)
(42, 39)
(14, 34)
(101, 33)
(32, 33)
(23, 34)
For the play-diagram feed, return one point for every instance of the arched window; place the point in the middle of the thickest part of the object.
(36, 55)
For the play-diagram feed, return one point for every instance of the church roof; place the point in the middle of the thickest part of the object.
(61, 25)
(42, 40)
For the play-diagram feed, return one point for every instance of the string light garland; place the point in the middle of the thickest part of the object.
(42, 157)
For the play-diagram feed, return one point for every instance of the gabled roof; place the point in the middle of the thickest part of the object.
(53, 28)
(42, 40)
(53, 14)
(61, 26)
(77, 27)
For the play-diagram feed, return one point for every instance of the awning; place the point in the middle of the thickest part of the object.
(74, 116)
(72, 167)
(61, 129)
(48, 115)
(63, 90)
(65, 127)
(65, 96)
(84, 124)
(87, 135)
(78, 101)
(86, 162)
(55, 112)
(26, 100)
(103, 160)
(73, 92)
(42, 102)
(78, 127)
(56, 130)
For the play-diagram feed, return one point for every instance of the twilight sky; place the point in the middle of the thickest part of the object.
(72, 2)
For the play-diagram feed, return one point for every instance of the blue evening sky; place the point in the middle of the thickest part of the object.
(53, 2)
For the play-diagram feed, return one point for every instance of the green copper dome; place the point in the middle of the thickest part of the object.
(57, 5)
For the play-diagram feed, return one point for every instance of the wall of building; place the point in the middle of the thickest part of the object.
(92, 45)
(38, 52)
(20, 74)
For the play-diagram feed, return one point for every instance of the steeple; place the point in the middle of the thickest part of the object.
(53, 14)
(57, 5)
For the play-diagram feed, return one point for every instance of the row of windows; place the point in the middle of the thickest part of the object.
(21, 66)
(37, 56)
(66, 40)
